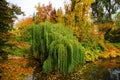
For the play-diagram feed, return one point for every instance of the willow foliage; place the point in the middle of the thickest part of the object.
(56, 48)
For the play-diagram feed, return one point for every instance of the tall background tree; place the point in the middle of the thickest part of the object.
(45, 13)
(8, 13)
(103, 10)
(77, 17)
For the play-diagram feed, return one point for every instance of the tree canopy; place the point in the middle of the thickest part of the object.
(103, 10)
(8, 13)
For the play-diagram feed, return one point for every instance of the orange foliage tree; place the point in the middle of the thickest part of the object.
(45, 13)
(23, 25)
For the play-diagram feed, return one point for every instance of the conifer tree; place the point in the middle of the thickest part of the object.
(8, 13)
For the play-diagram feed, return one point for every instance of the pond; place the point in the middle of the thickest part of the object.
(24, 69)
(101, 70)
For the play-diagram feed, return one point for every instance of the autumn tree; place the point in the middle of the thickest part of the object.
(59, 15)
(53, 16)
(45, 13)
(24, 22)
(77, 17)
(22, 27)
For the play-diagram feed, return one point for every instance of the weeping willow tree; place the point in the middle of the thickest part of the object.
(56, 48)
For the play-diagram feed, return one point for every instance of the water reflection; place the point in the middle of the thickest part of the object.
(113, 74)
(31, 77)
(100, 70)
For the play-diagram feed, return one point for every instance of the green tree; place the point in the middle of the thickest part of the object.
(117, 20)
(114, 34)
(103, 10)
(56, 48)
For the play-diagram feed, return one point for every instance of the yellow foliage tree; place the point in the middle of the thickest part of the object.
(59, 15)
(77, 17)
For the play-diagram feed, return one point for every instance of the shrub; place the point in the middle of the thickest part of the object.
(92, 48)
(113, 36)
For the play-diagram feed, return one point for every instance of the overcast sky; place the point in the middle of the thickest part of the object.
(28, 6)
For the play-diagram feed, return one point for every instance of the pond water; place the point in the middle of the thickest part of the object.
(24, 69)
(102, 70)
(99, 70)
